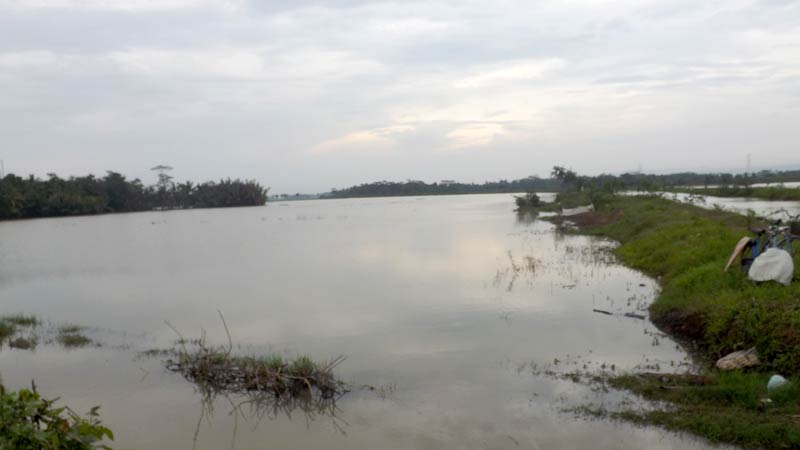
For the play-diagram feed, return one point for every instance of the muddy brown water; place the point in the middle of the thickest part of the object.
(451, 310)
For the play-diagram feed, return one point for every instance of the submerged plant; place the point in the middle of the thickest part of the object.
(22, 320)
(73, 340)
(7, 329)
(23, 343)
(70, 336)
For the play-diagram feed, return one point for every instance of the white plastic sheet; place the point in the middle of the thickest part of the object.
(772, 265)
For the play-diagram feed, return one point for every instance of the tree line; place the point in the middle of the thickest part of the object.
(560, 176)
(414, 187)
(54, 196)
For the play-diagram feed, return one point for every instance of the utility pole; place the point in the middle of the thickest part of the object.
(2, 170)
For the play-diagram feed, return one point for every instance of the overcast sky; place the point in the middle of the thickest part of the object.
(309, 95)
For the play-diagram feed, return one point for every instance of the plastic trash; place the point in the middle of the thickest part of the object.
(774, 264)
(776, 382)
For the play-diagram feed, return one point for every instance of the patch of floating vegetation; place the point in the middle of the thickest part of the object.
(21, 320)
(7, 330)
(12, 328)
(70, 329)
(22, 343)
(216, 370)
(155, 353)
(72, 339)
(10, 325)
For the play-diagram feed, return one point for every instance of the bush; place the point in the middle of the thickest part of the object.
(529, 200)
(29, 422)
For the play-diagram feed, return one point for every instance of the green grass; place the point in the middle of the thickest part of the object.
(22, 320)
(23, 343)
(30, 422)
(573, 199)
(72, 339)
(730, 408)
(215, 369)
(303, 366)
(69, 329)
(7, 329)
(686, 248)
(272, 362)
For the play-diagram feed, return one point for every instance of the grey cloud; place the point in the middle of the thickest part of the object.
(395, 90)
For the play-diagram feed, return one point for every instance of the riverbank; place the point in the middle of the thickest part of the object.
(686, 247)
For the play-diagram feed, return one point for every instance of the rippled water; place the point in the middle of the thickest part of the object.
(451, 311)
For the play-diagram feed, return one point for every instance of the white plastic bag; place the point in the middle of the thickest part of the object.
(774, 264)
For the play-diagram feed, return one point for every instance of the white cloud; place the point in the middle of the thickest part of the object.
(365, 140)
(245, 64)
(509, 72)
(27, 59)
(120, 5)
(280, 84)
(474, 135)
(213, 63)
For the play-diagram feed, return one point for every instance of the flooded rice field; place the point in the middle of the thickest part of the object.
(461, 323)
(763, 208)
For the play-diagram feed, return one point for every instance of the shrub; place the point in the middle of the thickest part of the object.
(29, 422)
(529, 200)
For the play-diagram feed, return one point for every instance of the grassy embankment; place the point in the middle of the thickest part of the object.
(729, 407)
(777, 192)
(686, 248)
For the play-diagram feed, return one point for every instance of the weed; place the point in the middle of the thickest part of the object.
(726, 407)
(7, 329)
(72, 340)
(69, 329)
(22, 320)
(216, 370)
(273, 362)
(30, 422)
(22, 343)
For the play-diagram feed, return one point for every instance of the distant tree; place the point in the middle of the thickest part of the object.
(566, 176)
(54, 196)
(164, 179)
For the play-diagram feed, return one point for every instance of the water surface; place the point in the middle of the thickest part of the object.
(448, 309)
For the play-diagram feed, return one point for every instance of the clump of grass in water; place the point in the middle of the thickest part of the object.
(216, 370)
(22, 343)
(10, 324)
(70, 336)
(70, 329)
(22, 320)
(7, 329)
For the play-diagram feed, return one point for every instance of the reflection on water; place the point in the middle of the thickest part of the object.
(441, 298)
(255, 408)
